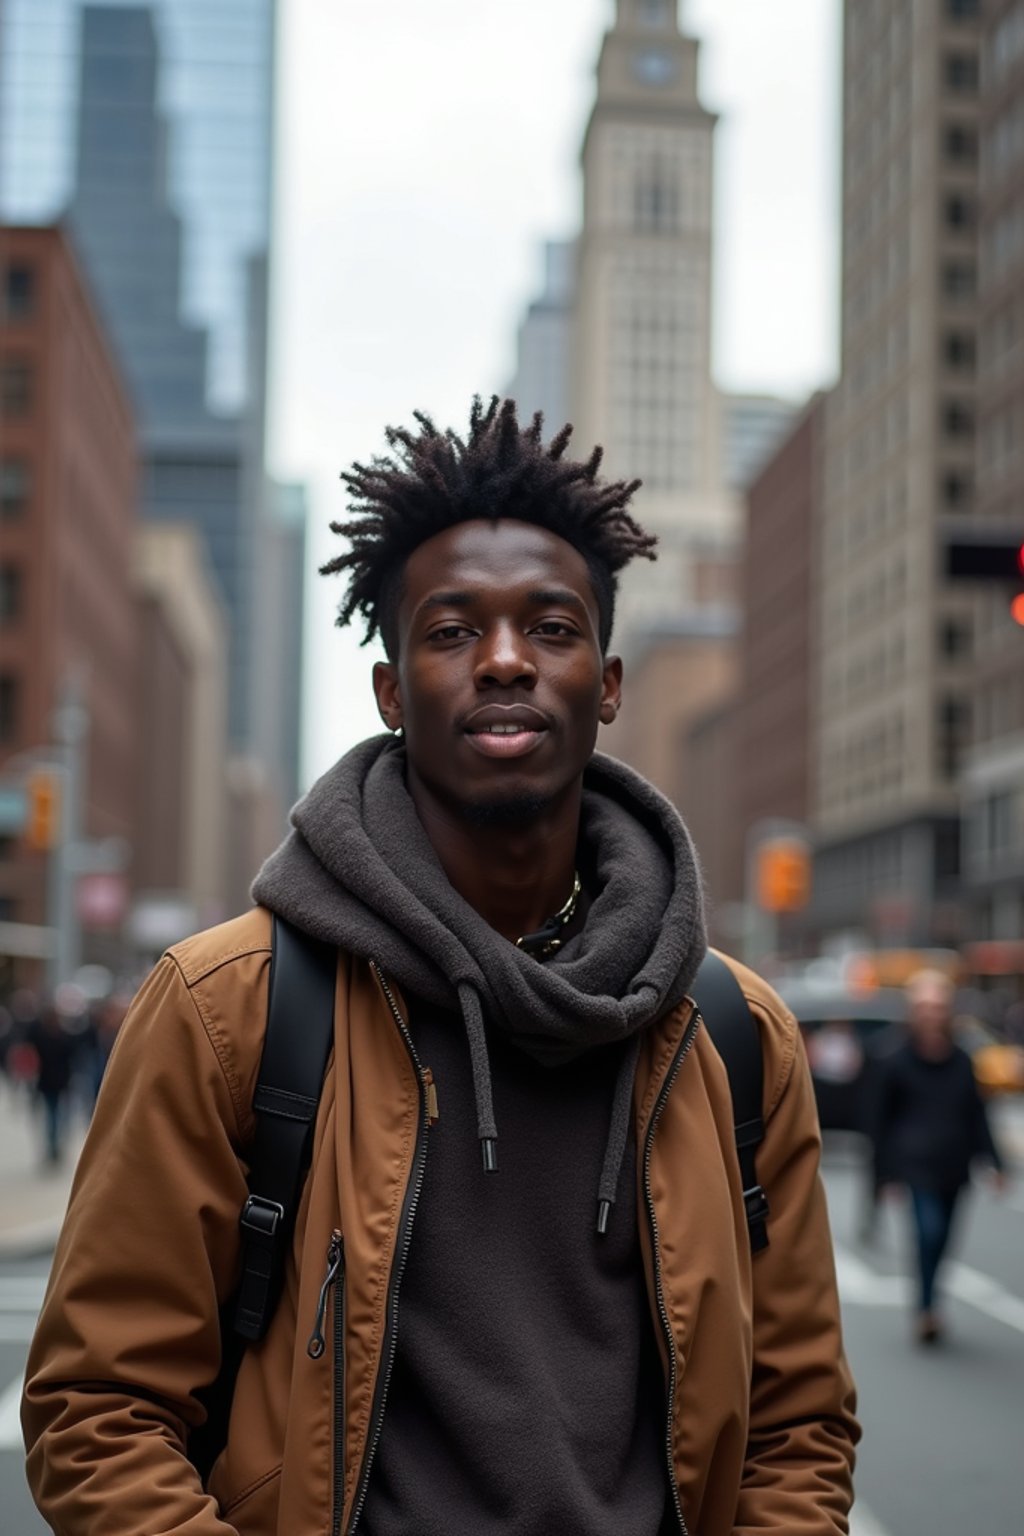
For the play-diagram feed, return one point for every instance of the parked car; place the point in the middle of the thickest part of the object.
(844, 1031)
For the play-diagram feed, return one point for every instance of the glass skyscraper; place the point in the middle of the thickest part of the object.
(147, 128)
(213, 97)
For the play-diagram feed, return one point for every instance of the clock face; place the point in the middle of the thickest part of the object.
(654, 66)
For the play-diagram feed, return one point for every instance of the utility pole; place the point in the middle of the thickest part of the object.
(70, 733)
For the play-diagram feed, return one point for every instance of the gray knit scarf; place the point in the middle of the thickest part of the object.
(359, 872)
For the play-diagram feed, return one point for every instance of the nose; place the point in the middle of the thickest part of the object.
(503, 659)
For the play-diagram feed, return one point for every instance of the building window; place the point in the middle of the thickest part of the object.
(958, 211)
(15, 388)
(955, 639)
(963, 10)
(957, 419)
(958, 349)
(957, 489)
(18, 291)
(960, 143)
(952, 735)
(14, 489)
(655, 205)
(655, 13)
(962, 73)
(959, 279)
(10, 594)
(8, 708)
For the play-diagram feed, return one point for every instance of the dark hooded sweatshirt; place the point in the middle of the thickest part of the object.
(526, 1395)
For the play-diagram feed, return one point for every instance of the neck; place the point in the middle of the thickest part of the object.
(515, 876)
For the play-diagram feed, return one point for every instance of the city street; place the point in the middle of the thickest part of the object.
(942, 1427)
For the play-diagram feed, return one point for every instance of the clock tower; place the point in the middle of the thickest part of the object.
(641, 378)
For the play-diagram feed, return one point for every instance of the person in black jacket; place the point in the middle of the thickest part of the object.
(929, 1125)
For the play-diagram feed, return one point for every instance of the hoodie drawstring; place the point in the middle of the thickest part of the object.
(473, 1019)
(487, 1130)
(618, 1131)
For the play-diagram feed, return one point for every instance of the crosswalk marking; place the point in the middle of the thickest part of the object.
(10, 1420)
(984, 1293)
(862, 1286)
(864, 1523)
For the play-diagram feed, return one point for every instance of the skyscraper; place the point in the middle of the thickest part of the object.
(893, 693)
(148, 128)
(213, 92)
(642, 381)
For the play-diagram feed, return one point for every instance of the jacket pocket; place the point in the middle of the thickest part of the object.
(253, 1510)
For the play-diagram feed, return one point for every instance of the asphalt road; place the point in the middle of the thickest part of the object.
(943, 1427)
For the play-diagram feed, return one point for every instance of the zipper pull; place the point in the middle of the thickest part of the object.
(317, 1344)
(433, 1114)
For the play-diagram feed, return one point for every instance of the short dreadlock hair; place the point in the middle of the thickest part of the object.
(433, 480)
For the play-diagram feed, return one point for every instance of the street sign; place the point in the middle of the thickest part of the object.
(101, 900)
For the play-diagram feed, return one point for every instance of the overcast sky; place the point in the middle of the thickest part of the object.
(426, 148)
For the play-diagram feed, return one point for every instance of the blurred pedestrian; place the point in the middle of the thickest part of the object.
(929, 1124)
(55, 1050)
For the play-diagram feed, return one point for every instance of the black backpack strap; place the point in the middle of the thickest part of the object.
(300, 1032)
(734, 1031)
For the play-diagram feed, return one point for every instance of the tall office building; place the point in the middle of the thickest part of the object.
(543, 345)
(893, 690)
(147, 128)
(68, 517)
(641, 359)
(213, 86)
(993, 781)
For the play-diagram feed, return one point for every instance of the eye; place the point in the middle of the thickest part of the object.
(449, 632)
(556, 628)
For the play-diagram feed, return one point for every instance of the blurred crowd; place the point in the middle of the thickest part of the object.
(53, 1054)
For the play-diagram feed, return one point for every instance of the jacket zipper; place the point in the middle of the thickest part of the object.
(659, 1290)
(315, 1348)
(409, 1204)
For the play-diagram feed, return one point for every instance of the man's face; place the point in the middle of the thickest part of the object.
(930, 1014)
(499, 682)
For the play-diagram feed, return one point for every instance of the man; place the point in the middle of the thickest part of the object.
(565, 1330)
(928, 1125)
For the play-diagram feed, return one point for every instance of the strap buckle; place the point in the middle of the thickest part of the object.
(755, 1203)
(261, 1219)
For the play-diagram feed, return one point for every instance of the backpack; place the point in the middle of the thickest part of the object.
(298, 1040)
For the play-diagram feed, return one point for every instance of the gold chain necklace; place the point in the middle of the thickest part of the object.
(548, 937)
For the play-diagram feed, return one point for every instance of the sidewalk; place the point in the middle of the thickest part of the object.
(32, 1195)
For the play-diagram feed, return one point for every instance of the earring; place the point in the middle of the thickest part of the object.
(398, 732)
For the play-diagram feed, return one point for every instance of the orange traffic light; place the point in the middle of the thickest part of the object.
(43, 822)
(783, 875)
(1017, 609)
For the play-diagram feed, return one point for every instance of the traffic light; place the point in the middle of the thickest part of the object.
(783, 875)
(43, 820)
(988, 555)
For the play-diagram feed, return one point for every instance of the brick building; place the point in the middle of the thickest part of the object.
(68, 499)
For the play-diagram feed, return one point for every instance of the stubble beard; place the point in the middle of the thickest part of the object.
(516, 810)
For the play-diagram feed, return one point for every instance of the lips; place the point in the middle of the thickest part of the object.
(505, 730)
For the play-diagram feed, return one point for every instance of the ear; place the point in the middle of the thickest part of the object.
(386, 691)
(611, 689)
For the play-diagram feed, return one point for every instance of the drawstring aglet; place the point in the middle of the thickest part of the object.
(604, 1210)
(489, 1147)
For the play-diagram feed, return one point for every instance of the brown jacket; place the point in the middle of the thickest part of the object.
(761, 1402)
